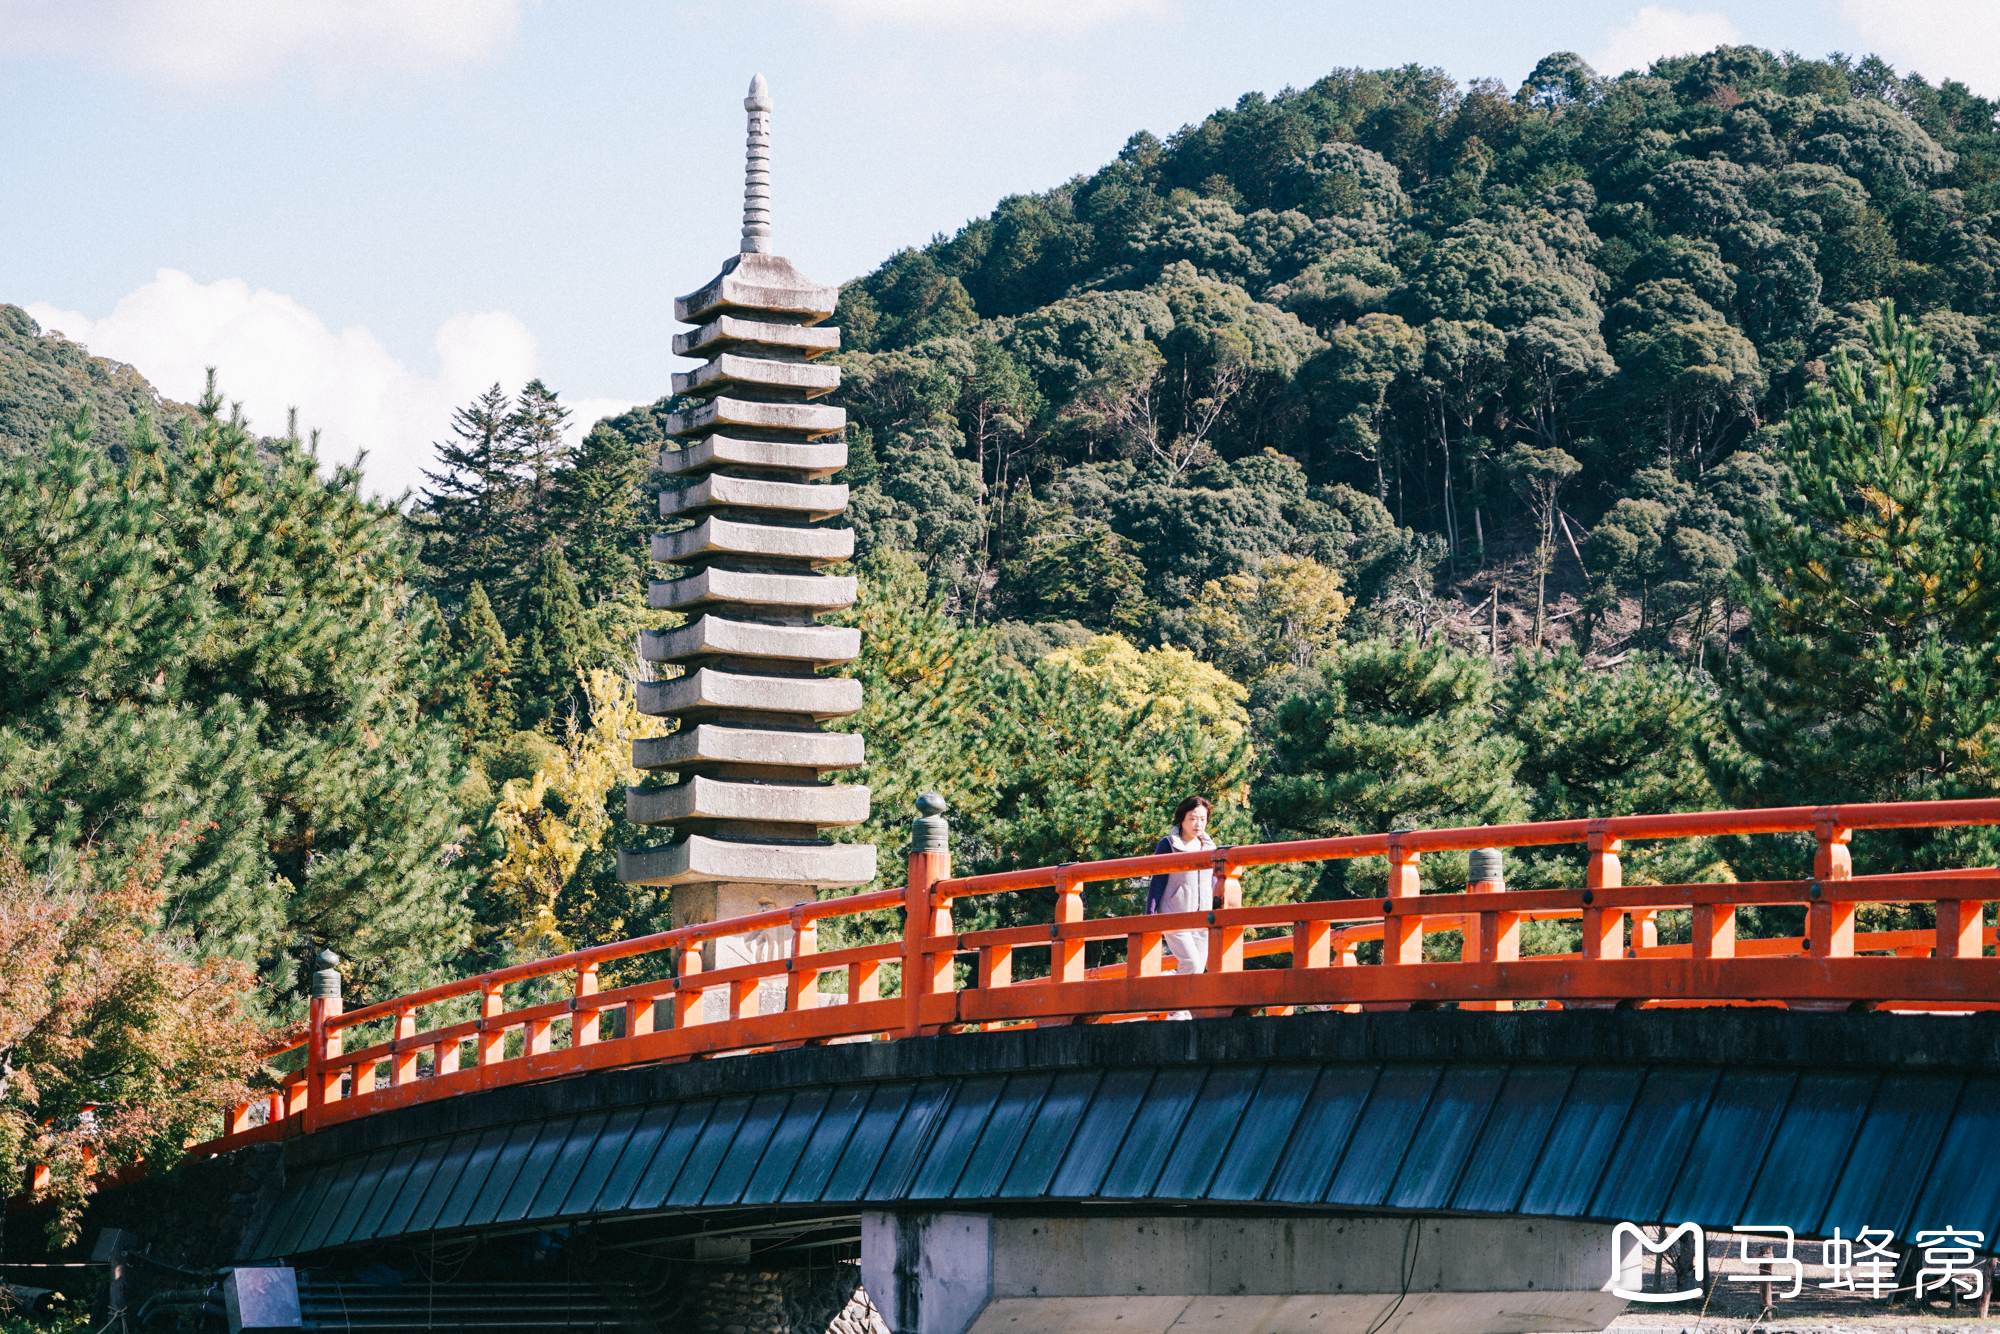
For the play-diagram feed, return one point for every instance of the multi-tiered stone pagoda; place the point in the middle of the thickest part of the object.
(748, 808)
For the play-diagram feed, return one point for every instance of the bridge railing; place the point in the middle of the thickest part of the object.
(1310, 959)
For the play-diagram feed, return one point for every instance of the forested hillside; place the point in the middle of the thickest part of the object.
(1549, 330)
(45, 379)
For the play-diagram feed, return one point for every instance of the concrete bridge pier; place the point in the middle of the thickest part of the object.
(975, 1273)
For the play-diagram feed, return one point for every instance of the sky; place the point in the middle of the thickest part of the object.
(371, 210)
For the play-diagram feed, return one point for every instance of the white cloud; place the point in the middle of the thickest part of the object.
(1657, 31)
(272, 354)
(223, 43)
(1068, 16)
(1940, 39)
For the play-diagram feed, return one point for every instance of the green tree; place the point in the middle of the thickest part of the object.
(1622, 742)
(536, 426)
(471, 514)
(555, 641)
(479, 694)
(1082, 776)
(1539, 475)
(605, 511)
(928, 683)
(1872, 670)
(215, 638)
(1394, 736)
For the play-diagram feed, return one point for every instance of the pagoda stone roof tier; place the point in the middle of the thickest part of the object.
(715, 538)
(719, 489)
(707, 692)
(714, 637)
(710, 744)
(699, 860)
(759, 285)
(701, 798)
(802, 461)
(732, 371)
(729, 333)
(805, 592)
(723, 412)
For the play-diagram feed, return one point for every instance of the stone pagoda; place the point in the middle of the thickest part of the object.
(748, 808)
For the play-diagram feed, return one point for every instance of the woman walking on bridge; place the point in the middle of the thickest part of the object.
(1185, 891)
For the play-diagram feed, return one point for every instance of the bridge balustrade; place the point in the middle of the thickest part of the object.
(1308, 956)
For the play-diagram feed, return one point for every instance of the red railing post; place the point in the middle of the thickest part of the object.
(322, 1043)
(1312, 944)
(490, 1046)
(1403, 932)
(802, 981)
(639, 1017)
(996, 965)
(583, 1022)
(1714, 930)
(687, 999)
(535, 1037)
(1498, 933)
(923, 916)
(1961, 928)
(1603, 929)
(1066, 955)
(403, 1060)
(1225, 943)
(1830, 924)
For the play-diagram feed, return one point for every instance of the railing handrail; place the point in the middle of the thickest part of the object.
(1490, 973)
(1630, 828)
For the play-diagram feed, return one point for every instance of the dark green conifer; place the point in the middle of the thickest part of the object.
(606, 511)
(1397, 736)
(471, 513)
(554, 640)
(1872, 670)
(480, 697)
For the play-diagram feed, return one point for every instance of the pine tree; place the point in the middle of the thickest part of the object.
(555, 639)
(536, 428)
(1622, 742)
(471, 514)
(1872, 670)
(1398, 736)
(606, 512)
(217, 637)
(480, 696)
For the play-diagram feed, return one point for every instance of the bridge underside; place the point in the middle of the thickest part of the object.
(1525, 1135)
(1723, 1117)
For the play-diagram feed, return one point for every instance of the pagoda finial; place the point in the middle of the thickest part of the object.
(757, 171)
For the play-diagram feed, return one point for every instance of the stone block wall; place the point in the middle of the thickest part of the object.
(716, 1299)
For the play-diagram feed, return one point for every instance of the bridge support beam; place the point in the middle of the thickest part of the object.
(983, 1274)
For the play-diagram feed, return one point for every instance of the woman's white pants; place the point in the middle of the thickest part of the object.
(1190, 951)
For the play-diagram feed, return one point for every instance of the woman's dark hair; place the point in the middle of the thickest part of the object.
(1188, 804)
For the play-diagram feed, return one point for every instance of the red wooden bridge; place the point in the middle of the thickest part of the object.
(1305, 954)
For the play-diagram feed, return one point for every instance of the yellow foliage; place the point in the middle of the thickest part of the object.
(1285, 615)
(551, 821)
(1173, 676)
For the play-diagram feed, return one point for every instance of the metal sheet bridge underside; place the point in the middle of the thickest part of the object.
(1739, 1117)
